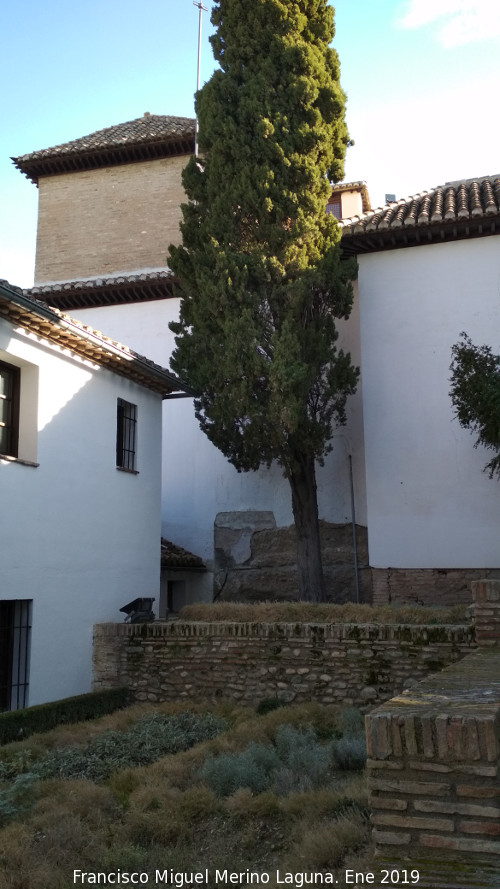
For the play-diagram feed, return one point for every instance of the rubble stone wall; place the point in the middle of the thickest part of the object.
(346, 664)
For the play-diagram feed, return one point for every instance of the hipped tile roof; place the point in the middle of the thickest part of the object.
(173, 556)
(461, 209)
(105, 290)
(154, 135)
(54, 326)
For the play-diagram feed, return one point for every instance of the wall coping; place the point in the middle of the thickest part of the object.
(470, 687)
(410, 633)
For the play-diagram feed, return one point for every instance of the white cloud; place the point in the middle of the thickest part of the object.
(465, 21)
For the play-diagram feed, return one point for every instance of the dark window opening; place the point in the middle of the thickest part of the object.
(10, 378)
(334, 207)
(15, 634)
(126, 427)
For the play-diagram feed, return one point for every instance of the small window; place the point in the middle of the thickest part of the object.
(334, 207)
(15, 632)
(126, 434)
(9, 409)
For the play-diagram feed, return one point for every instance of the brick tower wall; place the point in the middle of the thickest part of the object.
(115, 219)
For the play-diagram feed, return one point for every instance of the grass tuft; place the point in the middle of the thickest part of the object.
(306, 612)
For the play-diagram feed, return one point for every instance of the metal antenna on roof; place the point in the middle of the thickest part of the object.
(200, 9)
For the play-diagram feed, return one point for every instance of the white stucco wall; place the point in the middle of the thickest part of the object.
(79, 537)
(429, 503)
(197, 480)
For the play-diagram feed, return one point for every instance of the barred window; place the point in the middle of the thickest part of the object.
(15, 632)
(334, 207)
(126, 434)
(10, 378)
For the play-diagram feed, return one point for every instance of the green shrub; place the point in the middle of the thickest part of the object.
(227, 772)
(352, 721)
(296, 762)
(18, 724)
(349, 752)
(300, 752)
(151, 738)
(17, 796)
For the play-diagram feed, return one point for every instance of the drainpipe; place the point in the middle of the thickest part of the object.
(354, 539)
(353, 513)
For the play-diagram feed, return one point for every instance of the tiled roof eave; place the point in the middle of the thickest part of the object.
(176, 558)
(109, 291)
(374, 240)
(35, 317)
(116, 155)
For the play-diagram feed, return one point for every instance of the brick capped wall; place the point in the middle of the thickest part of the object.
(434, 757)
(116, 219)
(347, 664)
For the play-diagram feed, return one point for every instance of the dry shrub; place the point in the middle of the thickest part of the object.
(327, 802)
(306, 612)
(167, 816)
(93, 804)
(244, 804)
(324, 846)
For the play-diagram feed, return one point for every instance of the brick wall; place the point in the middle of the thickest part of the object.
(434, 756)
(351, 665)
(426, 586)
(108, 220)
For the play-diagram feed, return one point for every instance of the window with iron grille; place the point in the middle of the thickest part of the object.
(335, 208)
(15, 637)
(10, 378)
(126, 434)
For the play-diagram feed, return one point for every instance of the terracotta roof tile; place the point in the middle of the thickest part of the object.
(154, 135)
(465, 208)
(103, 290)
(173, 556)
(55, 326)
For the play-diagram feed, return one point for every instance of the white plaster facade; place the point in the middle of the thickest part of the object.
(197, 480)
(80, 538)
(429, 504)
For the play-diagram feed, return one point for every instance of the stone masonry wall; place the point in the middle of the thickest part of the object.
(348, 664)
(253, 556)
(434, 757)
(97, 222)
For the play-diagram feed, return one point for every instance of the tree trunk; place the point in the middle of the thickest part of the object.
(305, 512)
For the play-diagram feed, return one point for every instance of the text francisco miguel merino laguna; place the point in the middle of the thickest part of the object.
(183, 879)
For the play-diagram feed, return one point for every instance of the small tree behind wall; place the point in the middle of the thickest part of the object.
(259, 270)
(475, 394)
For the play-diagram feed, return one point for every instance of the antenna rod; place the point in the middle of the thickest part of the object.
(200, 9)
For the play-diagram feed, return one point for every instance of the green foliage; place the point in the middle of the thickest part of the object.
(475, 394)
(349, 749)
(252, 768)
(296, 762)
(17, 724)
(350, 752)
(148, 740)
(17, 796)
(259, 270)
(352, 721)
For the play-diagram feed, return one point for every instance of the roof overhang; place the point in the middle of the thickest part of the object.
(53, 326)
(371, 241)
(111, 290)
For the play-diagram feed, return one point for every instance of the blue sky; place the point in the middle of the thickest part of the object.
(422, 79)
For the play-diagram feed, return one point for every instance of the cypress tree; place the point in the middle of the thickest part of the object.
(259, 269)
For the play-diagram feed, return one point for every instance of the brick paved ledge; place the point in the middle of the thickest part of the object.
(434, 774)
